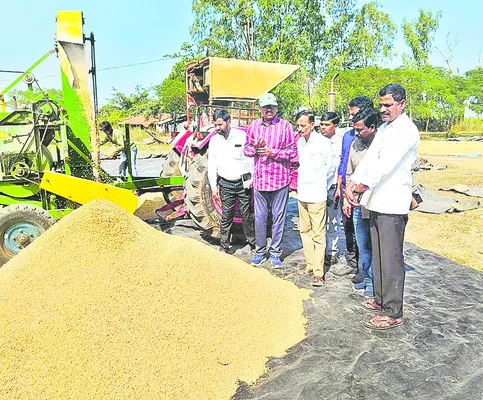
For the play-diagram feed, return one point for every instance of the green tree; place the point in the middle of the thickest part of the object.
(171, 93)
(419, 35)
(26, 97)
(474, 89)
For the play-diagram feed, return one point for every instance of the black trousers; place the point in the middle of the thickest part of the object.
(387, 237)
(352, 255)
(230, 192)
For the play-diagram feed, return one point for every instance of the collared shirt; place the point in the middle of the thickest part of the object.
(271, 173)
(347, 140)
(315, 158)
(226, 158)
(386, 168)
(336, 146)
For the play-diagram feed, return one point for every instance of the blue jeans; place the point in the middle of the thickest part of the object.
(334, 218)
(363, 238)
(123, 165)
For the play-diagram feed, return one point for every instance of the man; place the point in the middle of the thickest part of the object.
(315, 157)
(384, 179)
(229, 174)
(365, 127)
(115, 137)
(271, 141)
(352, 255)
(328, 125)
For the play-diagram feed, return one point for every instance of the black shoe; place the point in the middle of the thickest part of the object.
(359, 277)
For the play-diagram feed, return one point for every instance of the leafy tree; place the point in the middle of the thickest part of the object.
(26, 97)
(419, 35)
(171, 93)
(474, 89)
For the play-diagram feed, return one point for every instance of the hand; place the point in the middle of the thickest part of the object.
(264, 151)
(110, 156)
(361, 188)
(350, 195)
(337, 194)
(347, 208)
(259, 143)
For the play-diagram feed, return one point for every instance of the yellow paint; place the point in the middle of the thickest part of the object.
(82, 191)
(69, 27)
(231, 78)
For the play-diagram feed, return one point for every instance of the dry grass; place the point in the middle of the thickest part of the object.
(456, 236)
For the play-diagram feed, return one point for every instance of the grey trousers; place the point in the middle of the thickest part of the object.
(275, 203)
(387, 237)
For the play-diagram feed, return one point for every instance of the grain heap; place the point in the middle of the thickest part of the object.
(104, 306)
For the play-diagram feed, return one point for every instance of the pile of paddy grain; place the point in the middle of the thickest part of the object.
(104, 306)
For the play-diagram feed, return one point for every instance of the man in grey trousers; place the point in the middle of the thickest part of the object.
(382, 181)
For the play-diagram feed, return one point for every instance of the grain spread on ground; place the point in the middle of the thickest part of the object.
(104, 306)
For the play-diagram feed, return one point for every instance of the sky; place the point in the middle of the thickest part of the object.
(146, 30)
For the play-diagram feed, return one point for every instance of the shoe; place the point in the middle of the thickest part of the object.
(276, 263)
(359, 277)
(360, 285)
(330, 260)
(341, 270)
(224, 249)
(258, 259)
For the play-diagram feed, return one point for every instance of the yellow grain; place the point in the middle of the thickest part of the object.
(104, 306)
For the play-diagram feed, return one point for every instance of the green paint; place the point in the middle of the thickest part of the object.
(16, 189)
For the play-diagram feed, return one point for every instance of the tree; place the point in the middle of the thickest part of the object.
(474, 89)
(171, 93)
(26, 97)
(419, 35)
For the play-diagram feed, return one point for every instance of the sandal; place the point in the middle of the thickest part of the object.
(304, 271)
(382, 322)
(318, 281)
(371, 304)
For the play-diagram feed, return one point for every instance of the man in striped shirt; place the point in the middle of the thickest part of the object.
(271, 141)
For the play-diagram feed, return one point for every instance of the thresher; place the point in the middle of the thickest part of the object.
(49, 153)
(214, 83)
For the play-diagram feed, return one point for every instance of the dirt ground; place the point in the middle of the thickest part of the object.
(457, 236)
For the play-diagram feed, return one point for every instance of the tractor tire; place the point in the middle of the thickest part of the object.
(171, 168)
(20, 224)
(199, 200)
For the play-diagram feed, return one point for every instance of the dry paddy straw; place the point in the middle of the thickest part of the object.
(104, 306)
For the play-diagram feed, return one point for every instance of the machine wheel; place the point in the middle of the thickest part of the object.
(199, 200)
(171, 168)
(20, 225)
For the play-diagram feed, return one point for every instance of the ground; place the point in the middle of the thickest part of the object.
(457, 236)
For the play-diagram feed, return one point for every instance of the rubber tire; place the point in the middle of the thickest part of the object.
(171, 168)
(199, 200)
(21, 212)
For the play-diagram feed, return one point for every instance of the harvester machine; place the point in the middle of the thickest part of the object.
(49, 152)
(214, 83)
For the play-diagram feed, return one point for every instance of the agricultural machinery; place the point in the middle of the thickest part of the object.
(213, 83)
(49, 153)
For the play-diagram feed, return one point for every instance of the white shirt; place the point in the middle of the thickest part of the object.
(226, 158)
(336, 146)
(386, 168)
(315, 160)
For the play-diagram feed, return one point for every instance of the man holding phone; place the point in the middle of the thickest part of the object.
(271, 142)
(229, 174)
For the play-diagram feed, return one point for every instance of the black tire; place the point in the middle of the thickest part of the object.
(171, 168)
(20, 224)
(199, 200)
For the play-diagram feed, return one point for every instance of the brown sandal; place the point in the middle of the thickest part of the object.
(371, 304)
(304, 271)
(382, 322)
(318, 281)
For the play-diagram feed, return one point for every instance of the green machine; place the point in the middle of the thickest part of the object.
(59, 139)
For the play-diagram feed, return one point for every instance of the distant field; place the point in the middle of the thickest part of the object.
(457, 236)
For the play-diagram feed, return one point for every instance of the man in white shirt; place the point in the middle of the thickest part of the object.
(314, 173)
(383, 180)
(328, 125)
(230, 173)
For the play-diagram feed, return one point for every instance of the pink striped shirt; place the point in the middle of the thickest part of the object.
(271, 173)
